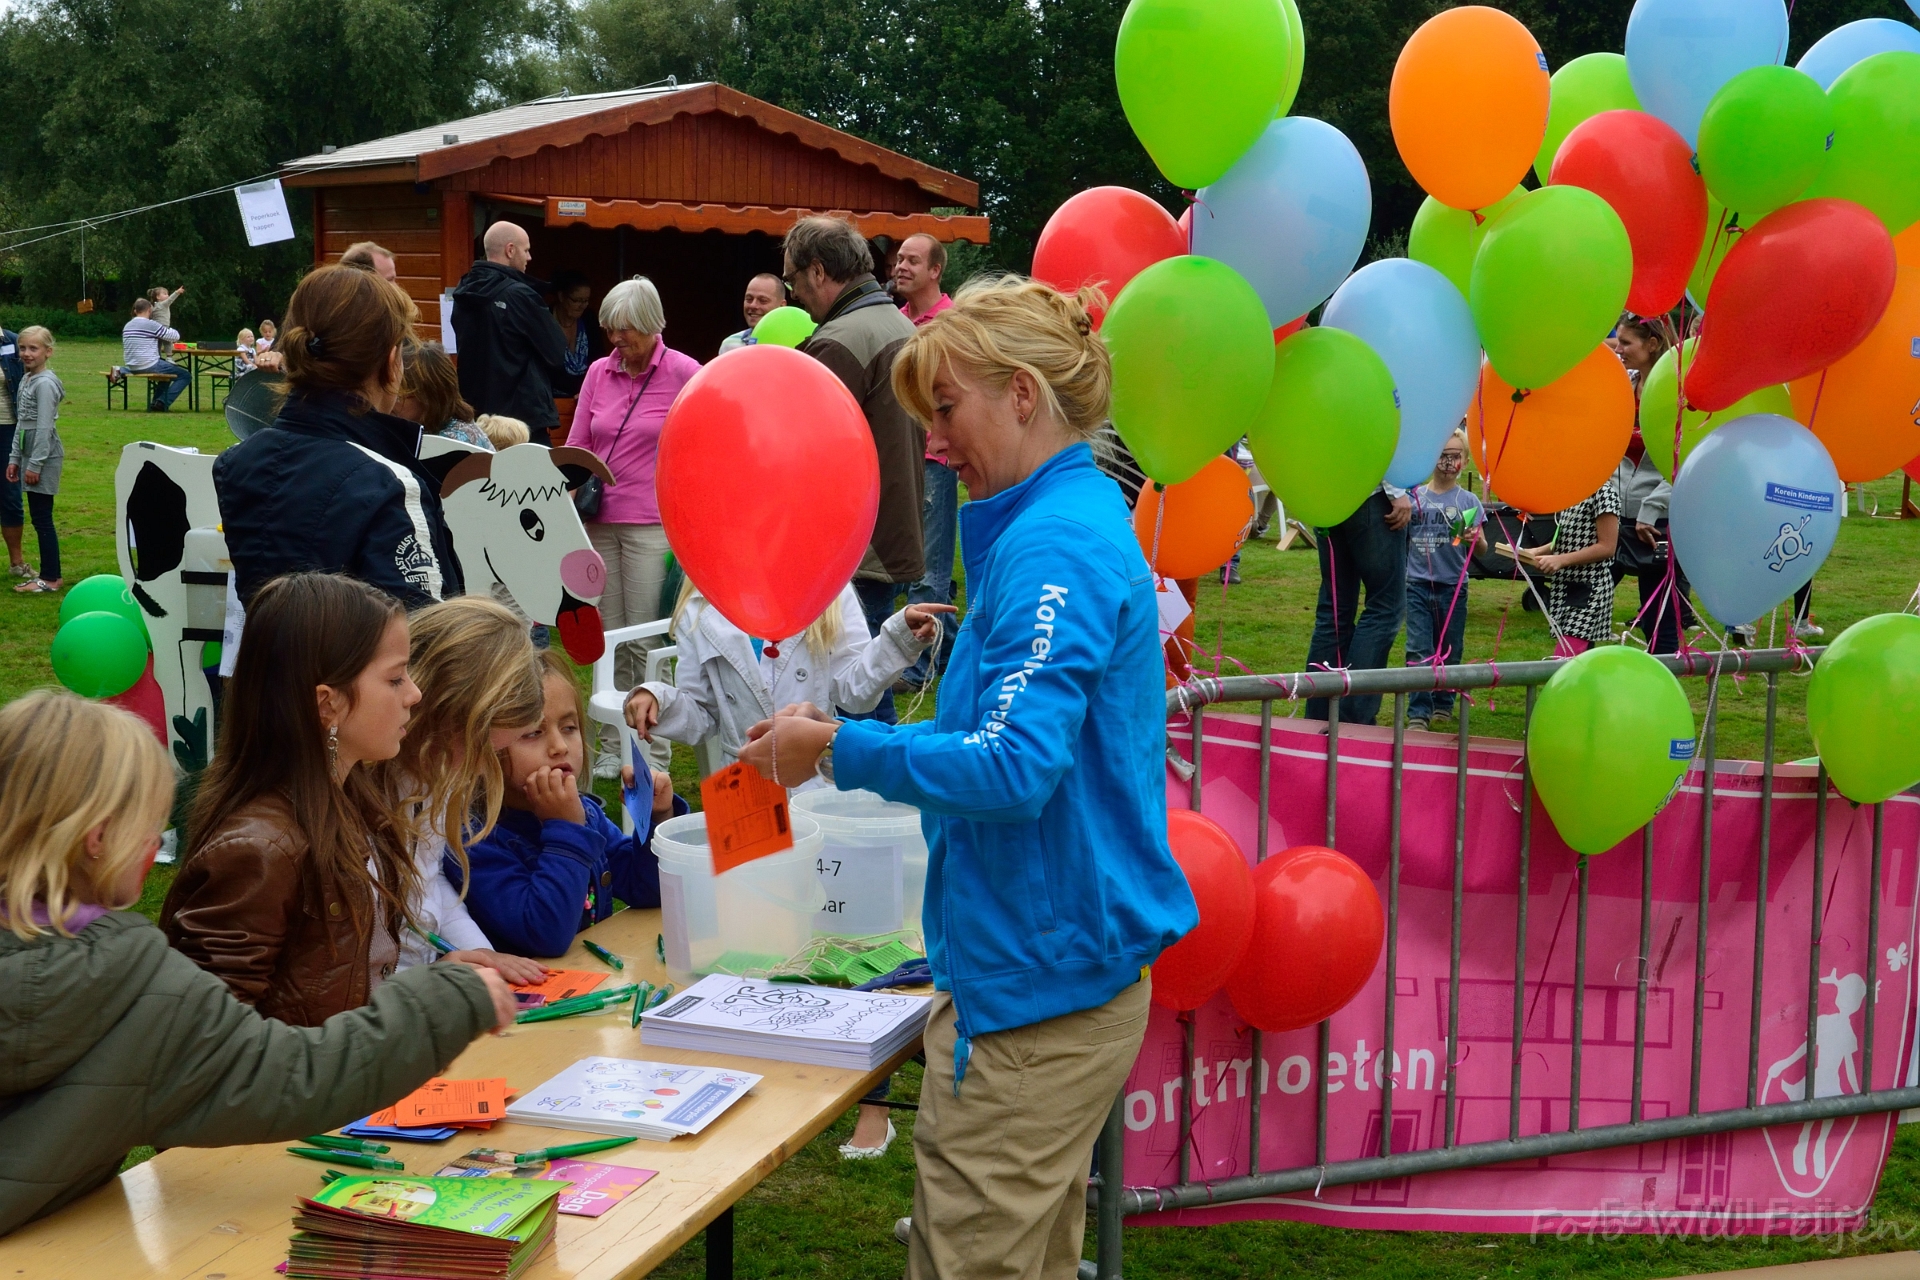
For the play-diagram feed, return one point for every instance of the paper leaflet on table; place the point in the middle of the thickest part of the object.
(639, 797)
(441, 1102)
(593, 1187)
(746, 816)
(622, 1096)
(561, 984)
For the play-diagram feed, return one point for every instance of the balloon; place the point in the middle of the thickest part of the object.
(1723, 230)
(1906, 246)
(1288, 329)
(1609, 742)
(102, 591)
(1291, 215)
(1842, 47)
(1200, 79)
(1679, 52)
(146, 700)
(1557, 444)
(1590, 84)
(784, 327)
(1104, 237)
(1447, 239)
(1804, 286)
(1206, 521)
(1188, 973)
(1865, 406)
(1296, 56)
(99, 654)
(1660, 401)
(1549, 282)
(1764, 139)
(1192, 361)
(1862, 704)
(1754, 514)
(1468, 105)
(1329, 427)
(1317, 933)
(1876, 138)
(1645, 173)
(1417, 322)
(774, 423)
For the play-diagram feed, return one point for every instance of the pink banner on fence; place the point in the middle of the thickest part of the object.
(1818, 1177)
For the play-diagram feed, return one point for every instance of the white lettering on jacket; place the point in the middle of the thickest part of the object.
(1013, 682)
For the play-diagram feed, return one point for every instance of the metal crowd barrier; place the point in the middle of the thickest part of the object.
(1114, 1200)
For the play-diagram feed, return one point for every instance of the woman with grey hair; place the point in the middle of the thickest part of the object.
(623, 404)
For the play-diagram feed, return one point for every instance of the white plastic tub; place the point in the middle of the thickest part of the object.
(756, 915)
(872, 863)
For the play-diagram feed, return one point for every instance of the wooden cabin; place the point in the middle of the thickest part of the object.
(691, 185)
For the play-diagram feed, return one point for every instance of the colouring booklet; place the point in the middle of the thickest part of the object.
(593, 1188)
(654, 1100)
(789, 1021)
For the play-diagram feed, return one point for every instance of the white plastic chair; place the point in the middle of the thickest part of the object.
(607, 703)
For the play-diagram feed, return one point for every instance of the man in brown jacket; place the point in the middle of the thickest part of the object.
(830, 270)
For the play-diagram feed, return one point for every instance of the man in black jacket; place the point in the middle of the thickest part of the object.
(513, 359)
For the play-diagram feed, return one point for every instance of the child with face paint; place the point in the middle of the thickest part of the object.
(1443, 533)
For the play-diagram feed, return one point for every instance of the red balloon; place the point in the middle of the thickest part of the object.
(147, 701)
(1317, 933)
(768, 486)
(1186, 229)
(1105, 236)
(1641, 167)
(1804, 286)
(1288, 329)
(1188, 973)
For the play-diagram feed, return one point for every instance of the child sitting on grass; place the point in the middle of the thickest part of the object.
(112, 1040)
(554, 863)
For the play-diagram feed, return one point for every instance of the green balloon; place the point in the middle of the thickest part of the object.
(1724, 229)
(1200, 80)
(1610, 740)
(1192, 362)
(1764, 139)
(1549, 282)
(1876, 138)
(1590, 84)
(1297, 61)
(1862, 705)
(784, 327)
(99, 654)
(1446, 238)
(108, 591)
(1329, 426)
(1660, 401)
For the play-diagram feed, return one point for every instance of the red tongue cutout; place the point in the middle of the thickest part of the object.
(581, 634)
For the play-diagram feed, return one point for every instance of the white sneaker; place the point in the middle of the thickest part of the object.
(902, 1229)
(850, 1152)
(606, 765)
(1808, 629)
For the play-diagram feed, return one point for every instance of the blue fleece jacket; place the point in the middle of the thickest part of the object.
(1040, 779)
(536, 884)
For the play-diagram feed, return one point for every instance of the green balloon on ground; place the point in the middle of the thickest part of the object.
(1764, 139)
(1297, 61)
(1724, 228)
(1876, 138)
(1610, 739)
(1200, 80)
(1446, 238)
(1659, 402)
(103, 591)
(1548, 283)
(1192, 362)
(784, 327)
(1862, 705)
(1590, 84)
(1329, 426)
(99, 654)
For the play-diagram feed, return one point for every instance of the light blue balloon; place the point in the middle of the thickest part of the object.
(1841, 47)
(1291, 215)
(1414, 319)
(1679, 52)
(1754, 514)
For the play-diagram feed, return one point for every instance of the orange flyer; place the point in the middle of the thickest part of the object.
(746, 816)
(562, 983)
(443, 1102)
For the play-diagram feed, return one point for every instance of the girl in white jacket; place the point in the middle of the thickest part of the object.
(726, 681)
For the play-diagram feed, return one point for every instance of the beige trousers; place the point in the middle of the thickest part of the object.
(1001, 1187)
(636, 559)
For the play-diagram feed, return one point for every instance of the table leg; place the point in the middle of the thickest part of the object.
(720, 1246)
(193, 382)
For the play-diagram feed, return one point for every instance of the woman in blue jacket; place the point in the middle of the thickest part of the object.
(1050, 888)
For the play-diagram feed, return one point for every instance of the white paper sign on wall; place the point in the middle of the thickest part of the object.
(263, 210)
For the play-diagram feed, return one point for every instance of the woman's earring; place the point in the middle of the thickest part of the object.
(333, 750)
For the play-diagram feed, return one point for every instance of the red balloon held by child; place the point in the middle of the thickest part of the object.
(1641, 167)
(1105, 237)
(768, 486)
(1317, 933)
(1188, 973)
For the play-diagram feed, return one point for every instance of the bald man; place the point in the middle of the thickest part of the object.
(513, 358)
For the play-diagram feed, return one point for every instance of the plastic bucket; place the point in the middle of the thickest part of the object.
(758, 914)
(872, 863)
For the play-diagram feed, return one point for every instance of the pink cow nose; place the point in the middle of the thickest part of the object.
(583, 573)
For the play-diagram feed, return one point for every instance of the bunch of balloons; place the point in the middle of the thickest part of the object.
(100, 650)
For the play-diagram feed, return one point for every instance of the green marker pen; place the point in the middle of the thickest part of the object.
(346, 1157)
(347, 1144)
(603, 954)
(640, 999)
(660, 997)
(570, 1149)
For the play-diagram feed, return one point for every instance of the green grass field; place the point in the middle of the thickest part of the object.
(819, 1216)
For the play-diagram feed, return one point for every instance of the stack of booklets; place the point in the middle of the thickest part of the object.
(399, 1227)
(792, 1022)
(658, 1101)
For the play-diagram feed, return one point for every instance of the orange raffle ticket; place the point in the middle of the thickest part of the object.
(562, 983)
(746, 816)
(443, 1102)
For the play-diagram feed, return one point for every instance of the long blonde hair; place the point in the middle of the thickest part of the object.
(67, 766)
(821, 635)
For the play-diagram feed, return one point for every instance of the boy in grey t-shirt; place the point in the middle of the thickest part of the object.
(1445, 527)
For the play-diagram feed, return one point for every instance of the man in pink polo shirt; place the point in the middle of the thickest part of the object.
(917, 269)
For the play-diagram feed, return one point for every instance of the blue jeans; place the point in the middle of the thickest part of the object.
(939, 522)
(12, 514)
(1427, 605)
(876, 601)
(1359, 552)
(169, 392)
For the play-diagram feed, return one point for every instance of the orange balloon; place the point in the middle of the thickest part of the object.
(1469, 105)
(1206, 521)
(1906, 246)
(1865, 406)
(1557, 444)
